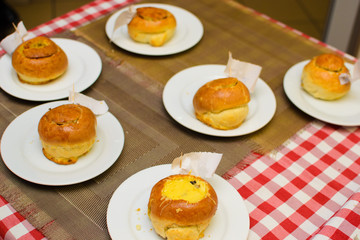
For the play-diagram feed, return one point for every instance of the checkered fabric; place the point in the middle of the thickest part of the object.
(342, 224)
(307, 189)
(15, 226)
(80, 16)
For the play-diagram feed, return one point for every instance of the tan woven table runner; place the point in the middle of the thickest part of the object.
(227, 27)
(132, 86)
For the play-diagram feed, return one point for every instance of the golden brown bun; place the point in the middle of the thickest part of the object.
(39, 60)
(320, 77)
(222, 103)
(181, 207)
(152, 25)
(67, 132)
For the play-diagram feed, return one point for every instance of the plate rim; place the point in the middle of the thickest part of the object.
(211, 131)
(167, 167)
(61, 93)
(55, 181)
(289, 89)
(111, 19)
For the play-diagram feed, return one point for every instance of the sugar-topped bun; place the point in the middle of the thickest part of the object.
(181, 207)
(67, 132)
(222, 103)
(152, 25)
(39, 60)
(320, 77)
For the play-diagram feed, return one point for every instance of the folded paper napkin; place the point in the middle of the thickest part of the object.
(245, 72)
(202, 164)
(15, 226)
(354, 76)
(308, 188)
(12, 41)
(97, 107)
(123, 19)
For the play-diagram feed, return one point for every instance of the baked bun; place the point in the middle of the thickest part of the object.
(181, 207)
(39, 60)
(152, 25)
(320, 77)
(67, 132)
(222, 103)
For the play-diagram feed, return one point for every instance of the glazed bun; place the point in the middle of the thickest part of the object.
(39, 60)
(181, 207)
(320, 77)
(152, 25)
(67, 132)
(222, 103)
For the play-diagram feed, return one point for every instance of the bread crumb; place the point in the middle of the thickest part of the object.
(138, 209)
(138, 227)
(178, 210)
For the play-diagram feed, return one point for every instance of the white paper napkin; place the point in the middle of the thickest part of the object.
(97, 107)
(245, 72)
(12, 41)
(123, 19)
(346, 77)
(202, 164)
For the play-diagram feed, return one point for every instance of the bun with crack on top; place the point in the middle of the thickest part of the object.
(151, 25)
(321, 77)
(67, 132)
(39, 60)
(222, 103)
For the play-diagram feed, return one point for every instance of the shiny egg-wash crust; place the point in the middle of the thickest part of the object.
(39, 61)
(222, 103)
(321, 77)
(154, 26)
(67, 132)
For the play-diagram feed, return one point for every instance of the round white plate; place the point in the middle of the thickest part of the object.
(179, 92)
(127, 211)
(189, 31)
(21, 150)
(344, 111)
(84, 67)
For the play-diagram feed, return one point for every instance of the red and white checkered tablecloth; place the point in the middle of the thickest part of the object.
(307, 189)
(341, 225)
(80, 16)
(14, 226)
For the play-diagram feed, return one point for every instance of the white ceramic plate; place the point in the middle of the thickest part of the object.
(127, 211)
(21, 150)
(189, 31)
(179, 92)
(83, 70)
(343, 112)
